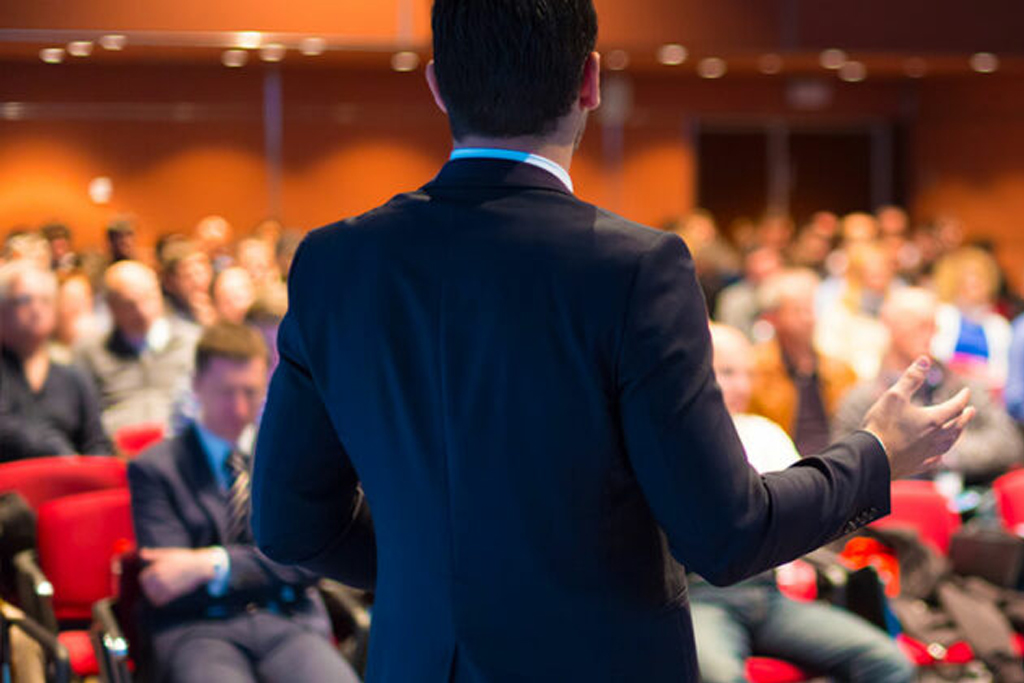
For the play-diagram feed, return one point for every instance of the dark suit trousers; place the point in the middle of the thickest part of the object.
(258, 646)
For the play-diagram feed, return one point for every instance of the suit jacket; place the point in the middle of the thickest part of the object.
(521, 383)
(775, 394)
(176, 503)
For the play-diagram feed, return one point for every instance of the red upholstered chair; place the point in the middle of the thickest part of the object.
(767, 670)
(919, 505)
(134, 439)
(42, 479)
(79, 535)
(1009, 491)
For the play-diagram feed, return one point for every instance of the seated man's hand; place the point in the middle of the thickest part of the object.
(173, 572)
(915, 436)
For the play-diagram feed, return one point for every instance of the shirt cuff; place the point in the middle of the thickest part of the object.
(218, 585)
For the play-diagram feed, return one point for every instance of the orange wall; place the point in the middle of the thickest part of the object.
(354, 138)
(969, 155)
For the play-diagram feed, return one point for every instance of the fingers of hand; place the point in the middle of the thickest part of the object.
(951, 431)
(952, 409)
(912, 378)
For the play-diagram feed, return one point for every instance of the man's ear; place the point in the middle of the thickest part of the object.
(590, 90)
(434, 90)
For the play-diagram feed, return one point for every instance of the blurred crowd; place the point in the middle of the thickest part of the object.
(98, 341)
(838, 307)
(834, 309)
(811, 324)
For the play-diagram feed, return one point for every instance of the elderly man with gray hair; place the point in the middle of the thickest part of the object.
(990, 444)
(145, 363)
(45, 408)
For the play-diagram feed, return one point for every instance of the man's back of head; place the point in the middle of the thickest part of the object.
(510, 68)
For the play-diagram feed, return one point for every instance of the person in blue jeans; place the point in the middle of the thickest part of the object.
(753, 617)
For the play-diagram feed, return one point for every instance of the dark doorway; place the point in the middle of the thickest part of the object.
(732, 176)
(829, 171)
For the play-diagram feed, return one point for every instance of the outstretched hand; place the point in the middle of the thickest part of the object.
(915, 436)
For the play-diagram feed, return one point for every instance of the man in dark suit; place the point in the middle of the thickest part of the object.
(218, 610)
(521, 384)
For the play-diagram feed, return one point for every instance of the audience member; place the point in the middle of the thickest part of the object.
(256, 256)
(775, 230)
(46, 408)
(848, 328)
(716, 261)
(797, 387)
(213, 235)
(894, 235)
(814, 243)
(753, 617)
(990, 445)
(63, 259)
(186, 277)
(217, 609)
(145, 361)
(1014, 392)
(76, 317)
(24, 245)
(121, 240)
(738, 304)
(284, 252)
(265, 316)
(972, 339)
(233, 294)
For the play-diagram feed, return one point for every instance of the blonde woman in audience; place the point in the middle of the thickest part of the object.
(972, 339)
(849, 329)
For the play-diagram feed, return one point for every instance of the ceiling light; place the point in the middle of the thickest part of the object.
(113, 42)
(853, 72)
(833, 58)
(405, 61)
(101, 189)
(915, 67)
(234, 58)
(80, 48)
(617, 60)
(248, 40)
(272, 52)
(672, 54)
(769, 64)
(712, 67)
(52, 55)
(985, 62)
(311, 47)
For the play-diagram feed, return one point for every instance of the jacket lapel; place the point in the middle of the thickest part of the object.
(195, 470)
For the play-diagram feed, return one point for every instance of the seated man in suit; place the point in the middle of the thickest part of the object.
(218, 610)
(753, 616)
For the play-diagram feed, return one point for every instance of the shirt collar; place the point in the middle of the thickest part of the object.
(217, 451)
(537, 160)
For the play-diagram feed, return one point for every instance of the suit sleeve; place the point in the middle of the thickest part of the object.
(308, 507)
(722, 519)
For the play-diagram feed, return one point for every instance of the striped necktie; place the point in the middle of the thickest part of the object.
(238, 498)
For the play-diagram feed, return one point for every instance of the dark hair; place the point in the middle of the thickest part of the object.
(507, 68)
(231, 341)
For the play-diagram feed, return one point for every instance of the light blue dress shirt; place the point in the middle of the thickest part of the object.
(217, 451)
